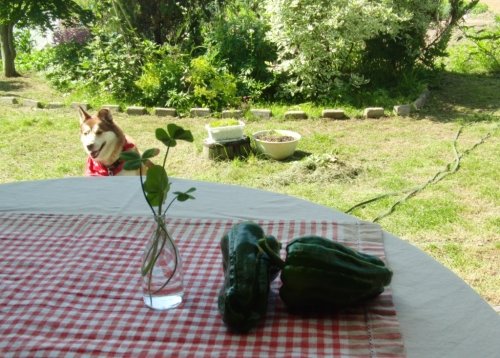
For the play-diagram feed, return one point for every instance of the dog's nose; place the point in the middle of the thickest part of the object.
(90, 147)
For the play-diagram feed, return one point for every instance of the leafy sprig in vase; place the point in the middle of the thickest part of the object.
(161, 264)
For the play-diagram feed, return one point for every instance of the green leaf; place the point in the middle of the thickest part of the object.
(156, 185)
(153, 152)
(183, 196)
(132, 164)
(172, 134)
(165, 138)
(179, 133)
(132, 160)
(130, 155)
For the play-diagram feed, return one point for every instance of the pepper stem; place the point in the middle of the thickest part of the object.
(274, 257)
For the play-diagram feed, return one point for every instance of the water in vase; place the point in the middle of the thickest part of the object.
(162, 271)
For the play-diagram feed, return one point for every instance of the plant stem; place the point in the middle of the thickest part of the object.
(169, 205)
(144, 191)
(166, 155)
(154, 254)
(164, 163)
(275, 258)
(176, 259)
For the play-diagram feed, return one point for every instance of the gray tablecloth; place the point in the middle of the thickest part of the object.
(440, 315)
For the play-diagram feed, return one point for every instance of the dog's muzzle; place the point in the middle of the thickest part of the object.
(95, 153)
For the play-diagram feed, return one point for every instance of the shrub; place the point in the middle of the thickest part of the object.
(23, 41)
(62, 66)
(480, 8)
(25, 48)
(113, 65)
(326, 47)
(175, 80)
(162, 75)
(61, 62)
(422, 38)
(211, 86)
(237, 37)
(181, 101)
(320, 41)
(104, 64)
(480, 53)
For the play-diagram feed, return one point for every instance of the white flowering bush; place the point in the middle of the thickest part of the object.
(322, 44)
(320, 41)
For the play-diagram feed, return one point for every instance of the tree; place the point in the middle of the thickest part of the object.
(43, 14)
(422, 38)
(165, 21)
(237, 37)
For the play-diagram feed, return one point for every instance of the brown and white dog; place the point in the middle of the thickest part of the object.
(103, 140)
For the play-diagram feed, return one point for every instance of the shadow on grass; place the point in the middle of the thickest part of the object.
(11, 85)
(464, 97)
(297, 156)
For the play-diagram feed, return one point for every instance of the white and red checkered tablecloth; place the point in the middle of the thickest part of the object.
(70, 285)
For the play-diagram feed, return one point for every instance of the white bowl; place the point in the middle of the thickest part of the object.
(277, 150)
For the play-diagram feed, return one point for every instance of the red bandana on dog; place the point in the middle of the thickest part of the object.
(94, 168)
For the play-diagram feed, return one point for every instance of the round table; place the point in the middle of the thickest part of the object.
(439, 314)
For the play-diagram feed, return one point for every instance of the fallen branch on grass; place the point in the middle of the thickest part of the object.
(450, 168)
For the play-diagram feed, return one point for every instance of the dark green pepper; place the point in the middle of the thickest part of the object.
(323, 275)
(248, 273)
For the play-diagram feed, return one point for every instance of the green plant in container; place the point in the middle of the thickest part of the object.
(161, 265)
(224, 122)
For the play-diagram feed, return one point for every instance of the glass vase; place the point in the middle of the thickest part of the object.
(161, 270)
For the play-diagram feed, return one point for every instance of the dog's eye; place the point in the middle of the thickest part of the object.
(98, 132)
(86, 133)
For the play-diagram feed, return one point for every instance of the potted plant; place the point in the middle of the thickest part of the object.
(161, 265)
(222, 130)
(278, 144)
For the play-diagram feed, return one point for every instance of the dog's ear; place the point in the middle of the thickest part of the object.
(105, 115)
(83, 115)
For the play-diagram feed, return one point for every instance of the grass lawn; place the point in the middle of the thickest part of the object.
(337, 164)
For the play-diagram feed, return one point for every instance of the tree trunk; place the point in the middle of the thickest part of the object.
(8, 50)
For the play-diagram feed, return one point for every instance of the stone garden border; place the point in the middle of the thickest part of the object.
(402, 110)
